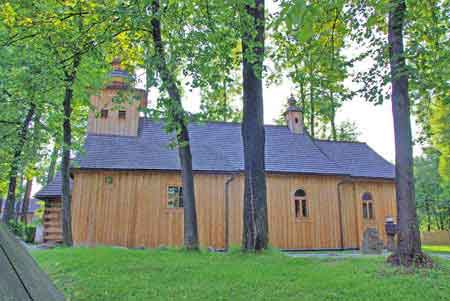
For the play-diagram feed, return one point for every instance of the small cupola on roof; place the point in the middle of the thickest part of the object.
(294, 117)
(119, 77)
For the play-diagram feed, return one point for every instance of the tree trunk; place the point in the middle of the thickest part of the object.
(302, 98)
(11, 196)
(312, 110)
(448, 217)
(184, 148)
(52, 166)
(66, 148)
(255, 235)
(26, 200)
(428, 211)
(333, 117)
(332, 103)
(409, 246)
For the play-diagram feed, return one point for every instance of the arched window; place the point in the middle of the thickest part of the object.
(301, 206)
(367, 206)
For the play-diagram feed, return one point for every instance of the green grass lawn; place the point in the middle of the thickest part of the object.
(437, 249)
(121, 274)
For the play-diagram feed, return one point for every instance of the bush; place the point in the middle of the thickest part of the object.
(17, 227)
(22, 230)
(29, 233)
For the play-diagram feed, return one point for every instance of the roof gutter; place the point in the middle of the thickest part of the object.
(341, 222)
(227, 211)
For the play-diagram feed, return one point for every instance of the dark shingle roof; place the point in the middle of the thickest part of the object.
(217, 146)
(358, 158)
(52, 190)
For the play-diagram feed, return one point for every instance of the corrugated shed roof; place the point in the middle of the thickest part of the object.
(215, 146)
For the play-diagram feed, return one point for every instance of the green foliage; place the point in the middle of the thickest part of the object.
(432, 192)
(29, 233)
(17, 228)
(104, 274)
(347, 131)
(40, 43)
(436, 249)
(309, 40)
(22, 230)
(440, 133)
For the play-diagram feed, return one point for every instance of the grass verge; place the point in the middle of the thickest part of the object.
(121, 274)
(436, 249)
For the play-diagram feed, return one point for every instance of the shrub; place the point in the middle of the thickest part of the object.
(29, 233)
(17, 227)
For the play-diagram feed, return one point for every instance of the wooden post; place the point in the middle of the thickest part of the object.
(21, 277)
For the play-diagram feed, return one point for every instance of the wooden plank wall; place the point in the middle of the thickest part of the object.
(383, 193)
(132, 211)
(112, 125)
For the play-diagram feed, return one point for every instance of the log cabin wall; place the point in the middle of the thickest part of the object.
(52, 220)
(131, 210)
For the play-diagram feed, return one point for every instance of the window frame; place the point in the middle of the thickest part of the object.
(180, 196)
(301, 206)
(109, 180)
(104, 113)
(368, 207)
(122, 114)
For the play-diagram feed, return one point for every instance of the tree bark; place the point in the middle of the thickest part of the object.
(26, 200)
(333, 117)
(428, 211)
(332, 103)
(184, 148)
(52, 166)
(256, 232)
(409, 245)
(66, 148)
(312, 110)
(11, 196)
(302, 98)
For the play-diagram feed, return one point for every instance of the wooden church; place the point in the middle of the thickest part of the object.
(126, 185)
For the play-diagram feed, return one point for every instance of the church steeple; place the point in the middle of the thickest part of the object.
(113, 116)
(294, 116)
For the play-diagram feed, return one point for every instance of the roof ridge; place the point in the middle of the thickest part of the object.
(147, 119)
(339, 141)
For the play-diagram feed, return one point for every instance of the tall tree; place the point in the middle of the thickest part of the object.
(409, 251)
(180, 119)
(432, 192)
(310, 39)
(256, 230)
(22, 138)
(70, 33)
(52, 164)
(26, 200)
